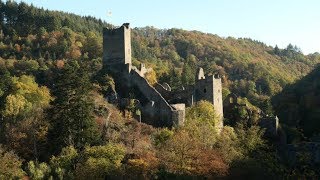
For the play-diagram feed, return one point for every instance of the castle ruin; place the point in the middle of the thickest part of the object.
(159, 105)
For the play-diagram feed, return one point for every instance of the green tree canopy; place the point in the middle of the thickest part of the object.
(71, 114)
(100, 161)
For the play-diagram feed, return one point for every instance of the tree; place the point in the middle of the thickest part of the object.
(53, 23)
(201, 123)
(107, 84)
(184, 155)
(93, 46)
(276, 50)
(5, 83)
(71, 114)
(202, 111)
(41, 32)
(143, 166)
(161, 137)
(28, 136)
(151, 77)
(174, 79)
(10, 165)
(25, 96)
(1, 17)
(100, 161)
(254, 158)
(24, 127)
(250, 138)
(188, 74)
(38, 171)
(179, 153)
(24, 19)
(227, 142)
(64, 164)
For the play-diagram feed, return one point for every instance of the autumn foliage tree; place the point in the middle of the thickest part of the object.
(26, 128)
(184, 155)
(99, 162)
(10, 165)
(57, 132)
(201, 122)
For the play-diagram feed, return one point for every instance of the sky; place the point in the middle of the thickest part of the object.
(274, 22)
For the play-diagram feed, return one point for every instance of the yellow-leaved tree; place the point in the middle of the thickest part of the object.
(26, 96)
(151, 77)
(201, 122)
(25, 128)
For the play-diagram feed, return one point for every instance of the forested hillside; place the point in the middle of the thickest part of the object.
(298, 105)
(55, 122)
(250, 68)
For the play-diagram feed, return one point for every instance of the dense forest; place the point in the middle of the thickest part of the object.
(56, 124)
(298, 106)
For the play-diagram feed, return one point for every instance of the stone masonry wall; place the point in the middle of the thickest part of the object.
(157, 111)
(117, 46)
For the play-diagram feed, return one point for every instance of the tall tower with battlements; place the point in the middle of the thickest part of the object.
(117, 46)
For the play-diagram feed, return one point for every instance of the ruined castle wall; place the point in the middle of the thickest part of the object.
(117, 46)
(271, 124)
(117, 60)
(127, 44)
(204, 90)
(183, 96)
(165, 93)
(177, 96)
(178, 114)
(217, 100)
(210, 89)
(157, 111)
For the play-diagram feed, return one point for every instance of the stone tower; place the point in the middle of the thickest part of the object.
(117, 45)
(159, 105)
(154, 108)
(209, 88)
